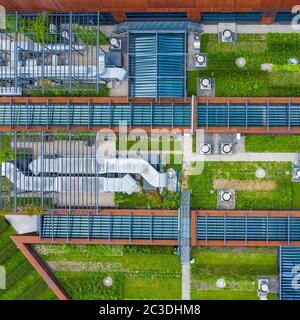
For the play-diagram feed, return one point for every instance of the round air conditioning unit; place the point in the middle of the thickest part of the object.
(205, 148)
(200, 58)
(264, 286)
(226, 148)
(298, 173)
(227, 34)
(226, 196)
(205, 82)
(65, 34)
(114, 42)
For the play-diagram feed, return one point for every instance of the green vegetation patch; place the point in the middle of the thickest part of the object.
(204, 196)
(239, 267)
(138, 272)
(272, 143)
(148, 200)
(257, 49)
(22, 281)
(91, 36)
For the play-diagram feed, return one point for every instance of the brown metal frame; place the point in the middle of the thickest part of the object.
(193, 8)
(125, 100)
(23, 243)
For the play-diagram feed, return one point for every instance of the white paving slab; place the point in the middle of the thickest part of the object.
(23, 223)
(249, 156)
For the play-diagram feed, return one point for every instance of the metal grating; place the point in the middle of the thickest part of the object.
(95, 115)
(248, 115)
(53, 53)
(157, 64)
(109, 227)
(248, 228)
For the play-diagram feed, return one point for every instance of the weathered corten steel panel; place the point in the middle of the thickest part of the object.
(193, 7)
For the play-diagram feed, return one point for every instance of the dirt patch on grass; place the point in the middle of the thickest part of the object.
(244, 185)
(78, 266)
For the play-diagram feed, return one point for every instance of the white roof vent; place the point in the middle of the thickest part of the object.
(227, 34)
(205, 148)
(200, 58)
(205, 83)
(226, 148)
(226, 196)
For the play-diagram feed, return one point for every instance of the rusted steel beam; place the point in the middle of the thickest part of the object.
(35, 239)
(243, 213)
(38, 264)
(116, 212)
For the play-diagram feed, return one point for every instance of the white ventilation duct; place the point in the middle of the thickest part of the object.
(77, 184)
(93, 166)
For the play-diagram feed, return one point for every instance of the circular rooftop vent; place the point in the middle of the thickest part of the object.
(171, 173)
(200, 58)
(264, 287)
(298, 173)
(260, 173)
(114, 42)
(226, 196)
(107, 282)
(205, 148)
(226, 148)
(293, 60)
(205, 82)
(221, 283)
(240, 62)
(65, 34)
(227, 34)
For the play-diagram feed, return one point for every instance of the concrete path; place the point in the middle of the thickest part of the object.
(23, 223)
(254, 28)
(186, 284)
(249, 157)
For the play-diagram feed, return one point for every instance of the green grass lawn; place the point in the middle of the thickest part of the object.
(137, 272)
(275, 143)
(238, 266)
(148, 200)
(22, 281)
(250, 80)
(205, 197)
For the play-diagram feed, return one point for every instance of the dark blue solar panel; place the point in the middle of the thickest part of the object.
(289, 273)
(231, 16)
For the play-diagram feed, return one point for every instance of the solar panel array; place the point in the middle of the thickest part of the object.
(109, 227)
(248, 228)
(157, 64)
(248, 115)
(95, 115)
(289, 273)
